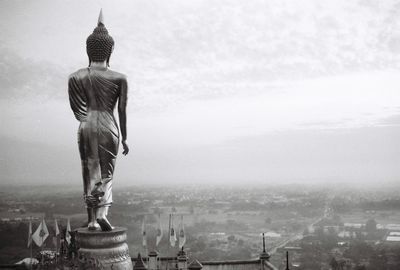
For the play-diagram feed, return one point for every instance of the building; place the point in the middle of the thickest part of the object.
(182, 262)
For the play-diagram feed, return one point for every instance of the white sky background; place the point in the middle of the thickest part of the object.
(220, 91)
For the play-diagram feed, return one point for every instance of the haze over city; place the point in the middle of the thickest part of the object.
(221, 92)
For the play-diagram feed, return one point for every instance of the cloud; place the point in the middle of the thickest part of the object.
(26, 79)
(218, 89)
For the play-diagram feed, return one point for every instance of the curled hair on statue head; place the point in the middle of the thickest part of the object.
(99, 45)
(108, 58)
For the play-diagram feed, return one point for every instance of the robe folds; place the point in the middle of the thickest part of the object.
(93, 95)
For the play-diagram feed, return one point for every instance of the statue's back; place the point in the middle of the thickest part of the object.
(93, 97)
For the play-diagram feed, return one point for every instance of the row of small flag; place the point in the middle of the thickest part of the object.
(41, 233)
(171, 232)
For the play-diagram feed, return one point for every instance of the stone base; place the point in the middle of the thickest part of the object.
(103, 250)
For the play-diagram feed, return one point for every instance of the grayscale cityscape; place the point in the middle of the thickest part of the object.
(200, 135)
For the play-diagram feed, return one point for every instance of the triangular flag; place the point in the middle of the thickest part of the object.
(67, 234)
(30, 233)
(40, 234)
(182, 235)
(56, 230)
(172, 233)
(56, 233)
(159, 231)
(144, 238)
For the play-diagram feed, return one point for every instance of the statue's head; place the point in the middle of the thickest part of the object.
(99, 45)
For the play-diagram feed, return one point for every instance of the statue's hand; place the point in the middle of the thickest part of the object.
(126, 147)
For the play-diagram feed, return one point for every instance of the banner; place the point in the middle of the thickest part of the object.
(67, 234)
(159, 231)
(40, 234)
(172, 233)
(30, 233)
(144, 238)
(56, 230)
(182, 235)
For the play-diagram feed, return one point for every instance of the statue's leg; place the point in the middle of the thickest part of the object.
(86, 193)
(85, 152)
(102, 218)
(104, 205)
(93, 176)
(89, 179)
(91, 172)
(92, 225)
(107, 150)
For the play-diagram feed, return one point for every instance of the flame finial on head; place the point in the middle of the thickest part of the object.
(99, 45)
(100, 21)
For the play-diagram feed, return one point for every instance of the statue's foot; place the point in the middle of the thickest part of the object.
(105, 225)
(93, 226)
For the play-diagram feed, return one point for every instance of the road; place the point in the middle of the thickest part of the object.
(293, 238)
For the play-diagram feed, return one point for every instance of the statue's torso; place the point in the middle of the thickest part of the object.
(93, 97)
(101, 88)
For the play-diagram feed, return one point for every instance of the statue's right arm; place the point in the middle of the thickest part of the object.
(77, 99)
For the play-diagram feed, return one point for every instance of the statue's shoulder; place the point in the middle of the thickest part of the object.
(80, 73)
(117, 75)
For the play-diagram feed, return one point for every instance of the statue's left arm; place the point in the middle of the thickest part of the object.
(122, 102)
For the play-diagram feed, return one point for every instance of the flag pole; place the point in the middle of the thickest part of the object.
(30, 221)
(146, 246)
(56, 234)
(169, 240)
(41, 236)
(31, 256)
(56, 248)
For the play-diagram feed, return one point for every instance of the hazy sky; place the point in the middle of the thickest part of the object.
(220, 91)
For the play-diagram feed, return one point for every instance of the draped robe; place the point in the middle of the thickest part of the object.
(93, 95)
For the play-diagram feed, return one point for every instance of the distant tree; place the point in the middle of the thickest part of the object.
(239, 253)
(151, 219)
(311, 257)
(359, 236)
(157, 210)
(328, 242)
(340, 205)
(198, 245)
(295, 226)
(378, 260)
(331, 231)
(370, 225)
(231, 238)
(240, 242)
(334, 264)
(337, 219)
(319, 232)
(358, 251)
(211, 254)
(360, 267)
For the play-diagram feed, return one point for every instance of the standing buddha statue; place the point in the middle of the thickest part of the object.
(94, 92)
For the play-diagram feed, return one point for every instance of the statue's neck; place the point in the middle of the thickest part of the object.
(98, 65)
